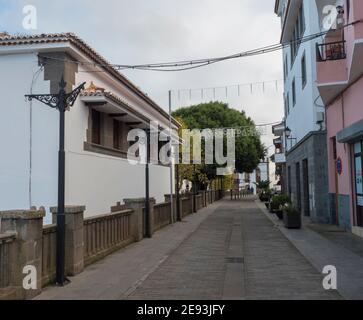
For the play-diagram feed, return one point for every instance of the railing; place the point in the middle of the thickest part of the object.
(49, 248)
(105, 234)
(331, 51)
(161, 215)
(6, 243)
(187, 206)
(198, 202)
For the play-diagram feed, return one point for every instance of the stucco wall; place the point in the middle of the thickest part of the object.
(16, 188)
(302, 117)
(341, 114)
(92, 180)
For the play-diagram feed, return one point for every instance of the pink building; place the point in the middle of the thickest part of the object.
(340, 83)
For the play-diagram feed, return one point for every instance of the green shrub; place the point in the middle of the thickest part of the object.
(290, 209)
(280, 201)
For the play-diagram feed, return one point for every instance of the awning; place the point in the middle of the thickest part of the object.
(351, 133)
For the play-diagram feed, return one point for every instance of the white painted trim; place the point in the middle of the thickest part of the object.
(358, 231)
(329, 84)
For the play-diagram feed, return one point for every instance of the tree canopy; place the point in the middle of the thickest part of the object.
(217, 115)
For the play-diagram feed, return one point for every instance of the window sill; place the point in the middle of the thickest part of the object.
(96, 148)
(107, 151)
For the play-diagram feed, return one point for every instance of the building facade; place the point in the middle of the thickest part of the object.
(261, 173)
(279, 157)
(340, 83)
(98, 175)
(304, 134)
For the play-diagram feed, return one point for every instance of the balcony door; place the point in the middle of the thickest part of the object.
(298, 187)
(358, 169)
(306, 188)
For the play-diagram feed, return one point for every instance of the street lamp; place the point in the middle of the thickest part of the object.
(288, 135)
(61, 102)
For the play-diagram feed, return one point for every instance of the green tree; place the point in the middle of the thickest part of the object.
(216, 115)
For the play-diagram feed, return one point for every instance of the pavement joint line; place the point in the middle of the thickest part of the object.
(138, 283)
(342, 290)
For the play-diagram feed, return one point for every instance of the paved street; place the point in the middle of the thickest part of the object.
(229, 250)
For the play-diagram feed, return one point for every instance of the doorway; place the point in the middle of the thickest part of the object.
(298, 186)
(358, 169)
(306, 188)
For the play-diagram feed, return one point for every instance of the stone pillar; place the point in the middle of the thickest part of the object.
(74, 248)
(28, 227)
(138, 219)
(204, 199)
(151, 217)
(167, 199)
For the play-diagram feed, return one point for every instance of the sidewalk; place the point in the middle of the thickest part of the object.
(229, 250)
(325, 245)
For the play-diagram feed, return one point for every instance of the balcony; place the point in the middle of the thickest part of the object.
(278, 142)
(279, 129)
(332, 74)
(279, 158)
(331, 51)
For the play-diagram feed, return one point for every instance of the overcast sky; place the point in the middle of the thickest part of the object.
(146, 31)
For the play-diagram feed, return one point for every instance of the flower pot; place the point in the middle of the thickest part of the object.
(292, 220)
(267, 204)
(279, 214)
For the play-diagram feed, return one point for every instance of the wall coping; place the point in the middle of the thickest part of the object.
(22, 214)
(7, 237)
(69, 209)
(138, 200)
(107, 216)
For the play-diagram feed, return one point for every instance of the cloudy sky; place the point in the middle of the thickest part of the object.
(147, 31)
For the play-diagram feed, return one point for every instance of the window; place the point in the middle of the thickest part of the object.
(287, 104)
(96, 127)
(116, 134)
(286, 68)
(334, 143)
(297, 34)
(303, 71)
(289, 180)
(293, 93)
(348, 10)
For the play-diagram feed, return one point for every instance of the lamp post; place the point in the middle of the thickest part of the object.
(61, 102)
(288, 135)
(194, 189)
(177, 189)
(147, 186)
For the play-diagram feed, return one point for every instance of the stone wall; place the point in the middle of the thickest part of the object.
(24, 241)
(313, 149)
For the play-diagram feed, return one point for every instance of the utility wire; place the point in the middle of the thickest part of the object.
(198, 63)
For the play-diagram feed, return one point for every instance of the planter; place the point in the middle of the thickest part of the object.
(279, 214)
(292, 220)
(267, 204)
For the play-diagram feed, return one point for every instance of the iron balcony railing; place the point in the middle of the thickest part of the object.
(331, 51)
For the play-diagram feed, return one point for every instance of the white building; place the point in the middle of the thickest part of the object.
(98, 174)
(261, 173)
(304, 137)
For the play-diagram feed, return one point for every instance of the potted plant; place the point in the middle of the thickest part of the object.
(264, 190)
(277, 204)
(291, 217)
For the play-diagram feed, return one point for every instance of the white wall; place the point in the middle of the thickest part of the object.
(302, 117)
(93, 180)
(15, 81)
(99, 181)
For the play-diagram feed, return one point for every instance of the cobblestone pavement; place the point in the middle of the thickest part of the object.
(229, 250)
(235, 254)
